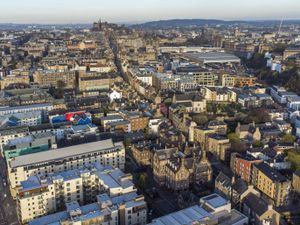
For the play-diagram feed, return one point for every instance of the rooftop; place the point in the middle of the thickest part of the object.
(58, 154)
(212, 57)
(270, 172)
(214, 200)
(104, 207)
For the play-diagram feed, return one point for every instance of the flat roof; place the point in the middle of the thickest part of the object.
(185, 216)
(270, 172)
(61, 153)
(215, 200)
(25, 107)
(212, 57)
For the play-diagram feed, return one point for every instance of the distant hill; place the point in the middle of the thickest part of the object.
(161, 24)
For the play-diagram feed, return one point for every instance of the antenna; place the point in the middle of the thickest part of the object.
(279, 30)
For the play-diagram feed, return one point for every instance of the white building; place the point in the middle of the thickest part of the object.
(9, 133)
(145, 78)
(53, 161)
(297, 126)
(26, 108)
(280, 95)
(293, 102)
(127, 209)
(22, 119)
(39, 195)
(114, 95)
(213, 209)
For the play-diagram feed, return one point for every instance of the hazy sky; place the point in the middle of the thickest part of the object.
(86, 11)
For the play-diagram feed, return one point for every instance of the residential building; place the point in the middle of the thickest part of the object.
(126, 209)
(14, 79)
(200, 76)
(142, 153)
(105, 152)
(52, 78)
(193, 102)
(271, 183)
(33, 118)
(296, 181)
(242, 166)
(138, 121)
(91, 81)
(40, 195)
(178, 171)
(9, 133)
(46, 107)
(218, 146)
(29, 144)
(259, 211)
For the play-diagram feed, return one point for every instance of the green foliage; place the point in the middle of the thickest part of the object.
(143, 177)
(234, 138)
(293, 83)
(168, 101)
(127, 143)
(294, 158)
(61, 84)
(288, 139)
(57, 93)
(200, 119)
(257, 144)
(279, 48)
(257, 61)
(198, 41)
(258, 115)
(212, 108)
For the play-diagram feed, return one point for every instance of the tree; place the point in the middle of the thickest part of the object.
(168, 101)
(200, 119)
(233, 138)
(61, 84)
(288, 139)
(127, 143)
(259, 115)
(257, 61)
(212, 107)
(142, 180)
(257, 144)
(294, 158)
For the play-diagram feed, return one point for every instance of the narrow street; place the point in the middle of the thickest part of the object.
(8, 214)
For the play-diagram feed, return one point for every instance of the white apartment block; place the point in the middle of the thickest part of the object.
(10, 133)
(104, 152)
(26, 108)
(126, 209)
(40, 195)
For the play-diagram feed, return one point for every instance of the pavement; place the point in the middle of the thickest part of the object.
(8, 213)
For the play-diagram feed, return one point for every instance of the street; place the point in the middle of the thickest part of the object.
(8, 214)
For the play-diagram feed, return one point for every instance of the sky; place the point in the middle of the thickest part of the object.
(136, 11)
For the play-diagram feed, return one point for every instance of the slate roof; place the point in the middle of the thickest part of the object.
(256, 204)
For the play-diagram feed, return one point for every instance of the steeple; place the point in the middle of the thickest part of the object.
(204, 156)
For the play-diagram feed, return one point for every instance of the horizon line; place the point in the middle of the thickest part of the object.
(147, 21)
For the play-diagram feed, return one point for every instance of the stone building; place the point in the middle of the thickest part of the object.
(179, 170)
